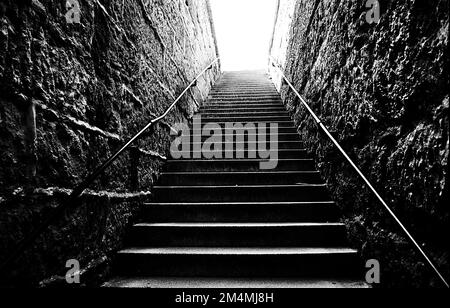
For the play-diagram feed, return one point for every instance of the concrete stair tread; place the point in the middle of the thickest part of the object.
(281, 136)
(240, 212)
(242, 203)
(254, 100)
(234, 151)
(231, 283)
(238, 186)
(257, 160)
(244, 95)
(240, 172)
(217, 111)
(222, 121)
(280, 143)
(237, 225)
(251, 251)
(244, 164)
(243, 104)
(246, 114)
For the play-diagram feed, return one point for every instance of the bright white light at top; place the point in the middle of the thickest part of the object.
(244, 30)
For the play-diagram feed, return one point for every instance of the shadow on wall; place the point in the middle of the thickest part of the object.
(382, 89)
(71, 94)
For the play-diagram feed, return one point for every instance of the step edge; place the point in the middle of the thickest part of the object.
(241, 251)
(239, 186)
(238, 225)
(238, 203)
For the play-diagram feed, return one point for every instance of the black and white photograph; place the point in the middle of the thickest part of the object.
(224, 152)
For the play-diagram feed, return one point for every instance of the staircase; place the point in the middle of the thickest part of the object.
(225, 223)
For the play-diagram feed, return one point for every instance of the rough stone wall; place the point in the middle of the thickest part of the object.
(382, 90)
(281, 33)
(72, 93)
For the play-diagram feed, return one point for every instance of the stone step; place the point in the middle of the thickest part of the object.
(245, 193)
(246, 119)
(257, 123)
(247, 85)
(279, 262)
(238, 154)
(282, 137)
(234, 144)
(246, 92)
(231, 165)
(244, 97)
(231, 283)
(241, 212)
(239, 178)
(247, 106)
(242, 110)
(244, 85)
(244, 88)
(203, 234)
(244, 113)
(239, 92)
(281, 131)
(262, 99)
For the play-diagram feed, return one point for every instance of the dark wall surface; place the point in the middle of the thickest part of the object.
(382, 89)
(72, 93)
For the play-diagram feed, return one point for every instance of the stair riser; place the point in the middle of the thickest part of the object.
(323, 236)
(246, 90)
(256, 124)
(282, 154)
(240, 93)
(309, 266)
(244, 101)
(206, 179)
(245, 145)
(281, 132)
(266, 84)
(262, 84)
(245, 111)
(246, 119)
(238, 165)
(242, 194)
(316, 212)
(244, 154)
(244, 97)
(240, 114)
(245, 93)
(281, 137)
(276, 98)
(249, 106)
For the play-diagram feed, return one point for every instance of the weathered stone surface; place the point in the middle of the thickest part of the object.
(382, 90)
(72, 93)
(93, 231)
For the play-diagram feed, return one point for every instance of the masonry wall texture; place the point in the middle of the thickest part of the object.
(382, 89)
(71, 93)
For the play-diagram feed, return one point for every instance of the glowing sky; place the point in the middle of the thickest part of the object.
(244, 29)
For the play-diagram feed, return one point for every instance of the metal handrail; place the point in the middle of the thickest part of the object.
(80, 188)
(336, 143)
